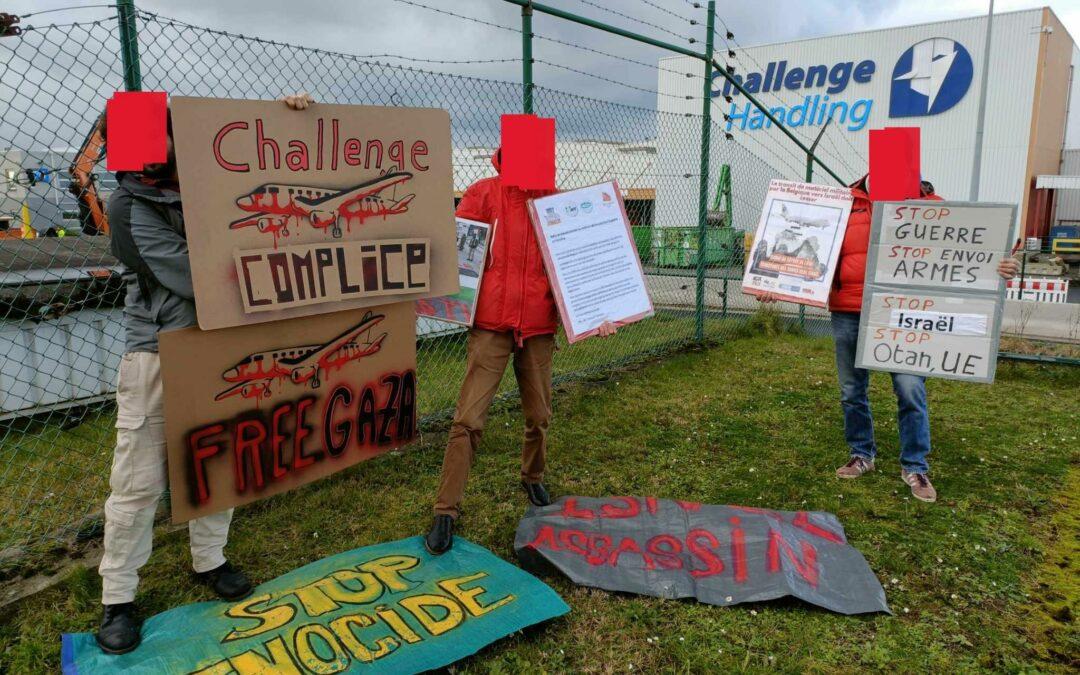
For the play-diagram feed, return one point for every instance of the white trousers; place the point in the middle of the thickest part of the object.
(138, 479)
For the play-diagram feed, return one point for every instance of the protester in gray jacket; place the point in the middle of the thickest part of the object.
(146, 225)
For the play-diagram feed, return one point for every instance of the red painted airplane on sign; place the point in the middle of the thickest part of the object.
(255, 373)
(274, 206)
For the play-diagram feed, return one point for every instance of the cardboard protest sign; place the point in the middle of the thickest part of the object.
(797, 242)
(252, 411)
(472, 247)
(293, 213)
(933, 299)
(720, 555)
(387, 608)
(591, 259)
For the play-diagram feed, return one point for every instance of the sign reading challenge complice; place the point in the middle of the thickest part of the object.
(933, 298)
(293, 213)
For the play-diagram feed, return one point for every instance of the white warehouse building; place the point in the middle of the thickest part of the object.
(927, 75)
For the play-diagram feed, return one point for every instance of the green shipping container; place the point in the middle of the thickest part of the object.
(679, 247)
(643, 235)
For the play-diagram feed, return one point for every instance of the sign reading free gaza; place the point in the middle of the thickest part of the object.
(388, 608)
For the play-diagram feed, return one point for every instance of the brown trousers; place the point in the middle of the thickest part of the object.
(488, 352)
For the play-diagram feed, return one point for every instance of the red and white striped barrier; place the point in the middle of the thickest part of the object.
(1038, 290)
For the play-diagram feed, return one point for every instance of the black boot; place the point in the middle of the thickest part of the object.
(441, 537)
(538, 494)
(119, 631)
(227, 581)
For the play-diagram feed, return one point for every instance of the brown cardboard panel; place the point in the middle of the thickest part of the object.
(256, 175)
(257, 410)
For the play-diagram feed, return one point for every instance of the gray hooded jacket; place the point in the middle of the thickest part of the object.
(159, 291)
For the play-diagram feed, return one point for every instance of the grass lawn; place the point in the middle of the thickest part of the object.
(984, 579)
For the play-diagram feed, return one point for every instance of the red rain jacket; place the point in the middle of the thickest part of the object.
(515, 294)
(846, 294)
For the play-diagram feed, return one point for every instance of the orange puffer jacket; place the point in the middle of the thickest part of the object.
(847, 290)
(515, 294)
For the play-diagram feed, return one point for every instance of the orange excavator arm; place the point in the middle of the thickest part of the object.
(91, 209)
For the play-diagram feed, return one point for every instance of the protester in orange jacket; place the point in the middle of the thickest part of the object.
(845, 305)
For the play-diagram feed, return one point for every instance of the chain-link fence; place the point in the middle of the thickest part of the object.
(62, 333)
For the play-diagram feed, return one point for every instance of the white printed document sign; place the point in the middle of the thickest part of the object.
(933, 299)
(591, 259)
(798, 242)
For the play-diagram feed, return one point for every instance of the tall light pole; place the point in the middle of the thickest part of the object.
(976, 167)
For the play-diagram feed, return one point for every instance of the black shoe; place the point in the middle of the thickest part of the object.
(441, 537)
(227, 581)
(119, 631)
(538, 494)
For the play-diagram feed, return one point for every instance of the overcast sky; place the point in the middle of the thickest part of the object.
(391, 27)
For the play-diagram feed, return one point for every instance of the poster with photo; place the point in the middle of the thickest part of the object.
(798, 242)
(472, 247)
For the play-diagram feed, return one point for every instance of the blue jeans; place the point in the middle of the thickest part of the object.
(912, 415)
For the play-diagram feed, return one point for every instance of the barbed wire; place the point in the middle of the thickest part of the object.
(641, 21)
(65, 9)
(665, 10)
(608, 79)
(96, 22)
(459, 16)
(542, 37)
(613, 56)
(439, 61)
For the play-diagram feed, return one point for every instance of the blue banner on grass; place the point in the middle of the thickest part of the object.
(390, 608)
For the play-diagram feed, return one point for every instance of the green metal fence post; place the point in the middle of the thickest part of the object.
(703, 179)
(526, 59)
(129, 44)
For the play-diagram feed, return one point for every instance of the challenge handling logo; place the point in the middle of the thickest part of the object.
(931, 77)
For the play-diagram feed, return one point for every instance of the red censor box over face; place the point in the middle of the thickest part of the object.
(528, 152)
(894, 164)
(136, 130)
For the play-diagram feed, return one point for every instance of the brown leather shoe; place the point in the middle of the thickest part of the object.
(855, 467)
(921, 488)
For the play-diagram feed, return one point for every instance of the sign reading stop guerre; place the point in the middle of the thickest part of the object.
(933, 299)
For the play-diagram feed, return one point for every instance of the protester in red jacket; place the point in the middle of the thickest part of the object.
(515, 295)
(845, 304)
(515, 316)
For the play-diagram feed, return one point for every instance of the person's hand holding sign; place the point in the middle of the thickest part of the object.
(1008, 267)
(606, 329)
(299, 101)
